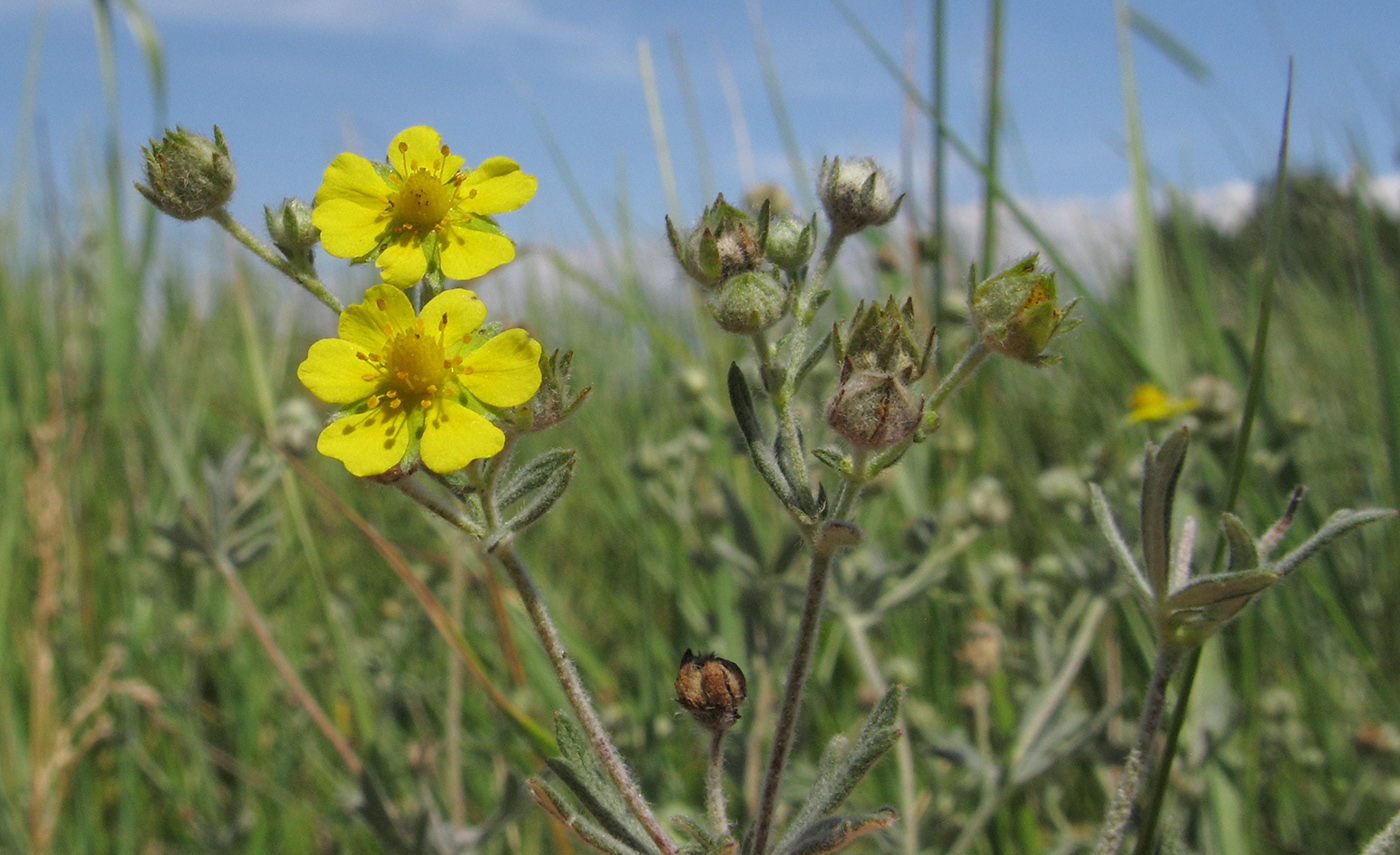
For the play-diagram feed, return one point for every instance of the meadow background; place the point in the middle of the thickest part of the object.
(148, 372)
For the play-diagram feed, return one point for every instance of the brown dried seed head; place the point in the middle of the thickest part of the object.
(711, 689)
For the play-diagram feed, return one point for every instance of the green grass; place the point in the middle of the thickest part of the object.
(666, 540)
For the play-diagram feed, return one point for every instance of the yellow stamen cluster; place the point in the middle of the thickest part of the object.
(424, 202)
(413, 365)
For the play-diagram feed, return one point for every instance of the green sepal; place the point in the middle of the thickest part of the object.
(1161, 471)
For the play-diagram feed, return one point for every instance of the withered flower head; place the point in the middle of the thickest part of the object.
(711, 689)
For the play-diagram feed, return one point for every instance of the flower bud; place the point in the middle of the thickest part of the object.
(882, 337)
(188, 175)
(555, 400)
(873, 409)
(790, 242)
(725, 243)
(856, 194)
(749, 303)
(1015, 314)
(710, 689)
(289, 225)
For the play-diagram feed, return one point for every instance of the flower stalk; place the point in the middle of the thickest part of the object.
(272, 257)
(1120, 810)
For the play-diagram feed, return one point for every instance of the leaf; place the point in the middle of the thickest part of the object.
(530, 477)
(741, 401)
(539, 504)
(837, 832)
(834, 459)
(840, 770)
(1109, 528)
(1160, 474)
(1243, 555)
(1209, 590)
(555, 805)
(1337, 525)
(577, 770)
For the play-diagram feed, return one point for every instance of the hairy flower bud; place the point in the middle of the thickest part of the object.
(1015, 314)
(873, 409)
(856, 195)
(188, 176)
(790, 242)
(710, 689)
(725, 243)
(749, 303)
(290, 227)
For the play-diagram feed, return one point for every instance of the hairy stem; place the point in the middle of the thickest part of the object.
(603, 748)
(1120, 810)
(714, 786)
(266, 253)
(857, 627)
(955, 378)
(796, 681)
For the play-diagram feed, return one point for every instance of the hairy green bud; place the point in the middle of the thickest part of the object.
(188, 176)
(856, 195)
(289, 225)
(749, 303)
(790, 242)
(725, 243)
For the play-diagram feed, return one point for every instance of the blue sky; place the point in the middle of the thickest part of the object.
(294, 82)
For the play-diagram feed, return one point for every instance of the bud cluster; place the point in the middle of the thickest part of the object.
(879, 358)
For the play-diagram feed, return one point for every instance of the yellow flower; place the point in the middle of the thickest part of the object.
(417, 386)
(421, 211)
(1148, 403)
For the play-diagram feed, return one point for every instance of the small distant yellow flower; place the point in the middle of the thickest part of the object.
(420, 211)
(1148, 403)
(417, 387)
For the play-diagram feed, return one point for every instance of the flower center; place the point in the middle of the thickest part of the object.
(414, 367)
(423, 201)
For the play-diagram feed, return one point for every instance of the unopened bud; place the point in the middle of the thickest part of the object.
(749, 303)
(710, 689)
(874, 409)
(725, 243)
(1015, 314)
(790, 241)
(188, 175)
(289, 225)
(856, 195)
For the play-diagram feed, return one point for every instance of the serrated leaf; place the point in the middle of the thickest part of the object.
(1337, 525)
(1243, 554)
(1161, 472)
(532, 475)
(837, 832)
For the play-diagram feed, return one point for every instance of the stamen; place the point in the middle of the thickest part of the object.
(373, 402)
(367, 377)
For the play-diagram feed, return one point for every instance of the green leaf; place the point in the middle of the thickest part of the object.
(555, 805)
(837, 832)
(1207, 591)
(530, 477)
(840, 770)
(741, 401)
(1161, 471)
(1243, 555)
(1109, 528)
(1337, 525)
(833, 458)
(577, 770)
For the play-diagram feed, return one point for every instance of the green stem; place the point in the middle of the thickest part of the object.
(1153, 809)
(266, 253)
(955, 378)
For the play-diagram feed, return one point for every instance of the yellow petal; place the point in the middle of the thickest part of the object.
(402, 263)
(496, 186)
(335, 374)
(504, 371)
(457, 312)
(468, 253)
(368, 443)
(350, 207)
(385, 312)
(418, 147)
(454, 436)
